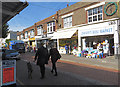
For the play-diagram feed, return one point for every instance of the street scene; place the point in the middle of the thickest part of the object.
(51, 43)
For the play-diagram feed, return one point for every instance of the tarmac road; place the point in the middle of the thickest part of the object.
(69, 73)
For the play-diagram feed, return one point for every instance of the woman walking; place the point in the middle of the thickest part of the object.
(55, 55)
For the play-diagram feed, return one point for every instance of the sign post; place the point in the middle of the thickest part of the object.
(8, 72)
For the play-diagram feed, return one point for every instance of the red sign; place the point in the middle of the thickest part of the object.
(8, 75)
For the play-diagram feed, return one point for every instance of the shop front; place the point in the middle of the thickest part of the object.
(99, 40)
(31, 44)
(67, 41)
(26, 42)
(46, 40)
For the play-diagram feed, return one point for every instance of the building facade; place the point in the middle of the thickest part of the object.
(96, 23)
(82, 26)
(40, 32)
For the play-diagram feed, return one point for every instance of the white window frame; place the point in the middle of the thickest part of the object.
(39, 30)
(18, 37)
(21, 36)
(32, 33)
(49, 26)
(67, 22)
(26, 34)
(94, 15)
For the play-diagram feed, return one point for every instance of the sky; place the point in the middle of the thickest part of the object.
(35, 12)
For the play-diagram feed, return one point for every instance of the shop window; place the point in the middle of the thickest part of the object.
(51, 27)
(67, 22)
(39, 30)
(95, 14)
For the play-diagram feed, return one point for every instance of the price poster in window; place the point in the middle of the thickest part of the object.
(8, 72)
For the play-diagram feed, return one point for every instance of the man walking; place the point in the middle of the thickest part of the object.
(42, 58)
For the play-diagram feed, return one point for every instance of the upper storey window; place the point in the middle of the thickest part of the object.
(50, 27)
(39, 30)
(22, 37)
(26, 35)
(67, 21)
(95, 14)
(32, 33)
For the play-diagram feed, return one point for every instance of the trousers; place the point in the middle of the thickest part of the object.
(42, 70)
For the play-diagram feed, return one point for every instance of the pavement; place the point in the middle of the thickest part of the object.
(109, 62)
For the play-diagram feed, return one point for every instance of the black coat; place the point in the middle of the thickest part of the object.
(55, 55)
(42, 56)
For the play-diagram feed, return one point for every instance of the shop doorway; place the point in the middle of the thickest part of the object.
(111, 47)
(30, 43)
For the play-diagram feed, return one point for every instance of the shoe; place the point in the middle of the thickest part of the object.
(51, 71)
(55, 75)
(42, 77)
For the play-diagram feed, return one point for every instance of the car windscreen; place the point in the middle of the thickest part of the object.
(10, 51)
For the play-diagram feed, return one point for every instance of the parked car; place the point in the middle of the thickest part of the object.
(12, 54)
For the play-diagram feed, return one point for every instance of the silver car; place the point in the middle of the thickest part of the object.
(12, 54)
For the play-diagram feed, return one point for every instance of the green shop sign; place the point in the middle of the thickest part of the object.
(108, 7)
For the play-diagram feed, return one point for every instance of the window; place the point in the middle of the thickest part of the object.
(32, 33)
(18, 37)
(22, 36)
(95, 14)
(26, 35)
(67, 22)
(50, 27)
(39, 30)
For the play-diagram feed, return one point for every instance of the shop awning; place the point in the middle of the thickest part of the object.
(11, 9)
(61, 34)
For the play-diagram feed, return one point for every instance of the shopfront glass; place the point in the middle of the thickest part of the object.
(71, 43)
(92, 46)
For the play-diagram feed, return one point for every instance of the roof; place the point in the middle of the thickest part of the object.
(11, 9)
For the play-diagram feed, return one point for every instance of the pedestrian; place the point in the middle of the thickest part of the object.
(55, 55)
(67, 49)
(42, 58)
(34, 49)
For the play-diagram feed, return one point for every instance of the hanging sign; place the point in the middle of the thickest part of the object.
(110, 8)
(8, 72)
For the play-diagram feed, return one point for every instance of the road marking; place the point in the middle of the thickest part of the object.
(20, 82)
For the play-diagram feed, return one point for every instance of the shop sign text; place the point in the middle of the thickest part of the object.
(97, 32)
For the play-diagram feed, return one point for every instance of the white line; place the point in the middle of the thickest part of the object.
(20, 82)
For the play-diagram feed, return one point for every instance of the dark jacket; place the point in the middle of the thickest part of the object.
(55, 55)
(42, 56)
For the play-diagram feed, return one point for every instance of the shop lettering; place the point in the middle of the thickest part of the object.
(95, 32)
(106, 30)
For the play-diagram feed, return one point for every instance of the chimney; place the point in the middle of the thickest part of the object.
(67, 5)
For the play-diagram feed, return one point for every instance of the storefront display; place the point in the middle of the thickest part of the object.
(96, 41)
(95, 47)
(71, 43)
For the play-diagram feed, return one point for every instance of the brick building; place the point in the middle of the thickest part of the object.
(86, 25)
(82, 26)
(41, 31)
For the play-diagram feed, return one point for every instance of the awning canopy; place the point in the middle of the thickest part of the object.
(11, 9)
(61, 34)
